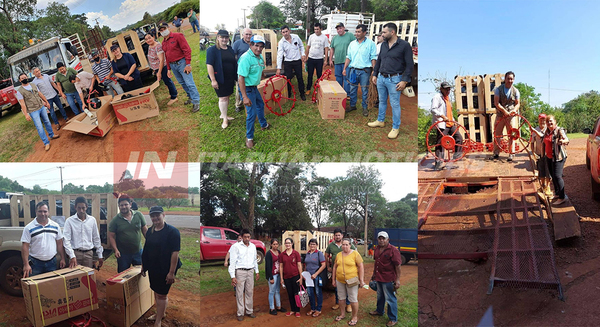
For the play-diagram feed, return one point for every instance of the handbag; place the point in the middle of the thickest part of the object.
(302, 297)
(352, 281)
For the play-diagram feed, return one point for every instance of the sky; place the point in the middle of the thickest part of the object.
(115, 14)
(530, 38)
(213, 12)
(48, 176)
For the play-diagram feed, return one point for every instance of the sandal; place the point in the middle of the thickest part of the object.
(310, 313)
(339, 318)
(316, 314)
(352, 322)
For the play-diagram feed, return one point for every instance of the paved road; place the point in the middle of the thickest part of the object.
(179, 221)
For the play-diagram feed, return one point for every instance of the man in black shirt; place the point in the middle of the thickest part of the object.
(392, 72)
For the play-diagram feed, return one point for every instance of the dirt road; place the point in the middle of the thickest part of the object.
(220, 309)
(453, 292)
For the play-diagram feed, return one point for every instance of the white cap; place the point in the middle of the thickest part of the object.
(257, 39)
(384, 234)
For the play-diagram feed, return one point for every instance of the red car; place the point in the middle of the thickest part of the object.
(8, 96)
(216, 241)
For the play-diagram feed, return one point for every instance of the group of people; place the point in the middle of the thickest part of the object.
(548, 144)
(288, 270)
(357, 61)
(43, 239)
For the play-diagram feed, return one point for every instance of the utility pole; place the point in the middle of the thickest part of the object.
(61, 178)
(245, 26)
(307, 19)
(366, 221)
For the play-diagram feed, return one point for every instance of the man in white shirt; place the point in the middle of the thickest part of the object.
(317, 49)
(46, 85)
(243, 263)
(82, 236)
(41, 239)
(292, 48)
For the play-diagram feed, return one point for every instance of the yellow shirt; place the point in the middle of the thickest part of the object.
(351, 262)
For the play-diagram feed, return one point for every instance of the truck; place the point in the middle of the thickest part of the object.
(349, 19)
(405, 239)
(8, 97)
(216, 241)
(592, 158)
(19, 209)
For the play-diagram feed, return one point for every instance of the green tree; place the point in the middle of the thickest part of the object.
(266, 15)
(70, 188)
(315, 189)
(58, 21)
(581, 112)
(394, 9)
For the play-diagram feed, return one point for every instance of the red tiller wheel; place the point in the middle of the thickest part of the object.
(277, 96)
(513, 134)
(447, 142)
(317, 85)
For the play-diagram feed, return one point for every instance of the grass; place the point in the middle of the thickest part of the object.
(577, 135)
(298, 136)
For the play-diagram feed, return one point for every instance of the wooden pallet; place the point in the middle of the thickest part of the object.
(490, 82)
(468, 92)
(137, 51)
(477, 125)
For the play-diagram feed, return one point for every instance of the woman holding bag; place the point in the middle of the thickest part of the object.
(348, 276)
(290, 265)
(315, 264)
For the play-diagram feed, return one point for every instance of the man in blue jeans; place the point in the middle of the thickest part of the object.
(360, 58)
(34, 106)
(392, 72)
(41, 240)
(179, 63)
(45, 84)
(67, 89)
(125, 234)
(250, 68)
(339, 48)
(386, 272)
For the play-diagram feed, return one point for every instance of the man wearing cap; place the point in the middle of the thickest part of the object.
(66, 89)
(392, 72)
(125, 234)
(240, 47)
(250, 67)
(506, 101)
(103, 72)
(386, 272)
(243, 265)
(41, 240)
(441, 110)
(33, 105)
(339, 48)
(291, 47)
(179, 57)
(46, 85)
(82, 236)
(360, 58)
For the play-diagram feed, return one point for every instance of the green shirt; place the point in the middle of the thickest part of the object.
(192, 16)
(251, 66)
(340, 44)
(129, 234)
(67, 86)
(333, 249)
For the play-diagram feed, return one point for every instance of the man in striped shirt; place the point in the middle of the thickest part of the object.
(41, 240)
(103, 69)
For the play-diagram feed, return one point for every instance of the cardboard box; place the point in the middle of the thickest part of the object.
(59, 295)
(279, 84)
(137, 108)
(128, 297)
(106, 120)
(331, 100)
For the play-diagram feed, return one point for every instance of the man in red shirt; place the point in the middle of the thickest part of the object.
(386, 272)
(179, 57)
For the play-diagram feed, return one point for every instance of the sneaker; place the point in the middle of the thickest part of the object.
(57, 126)
(335, 307)
(291, 313)
(308, 92)
(251, 315)
(240, 318)
(55, 137)
(196, 108)
(510, 157)
(249, 144)
(282, 309)
(393, 133)
(188, 101)
(302, 96)
(266, 127)
(348, 308)
(561, 201)
(494, 157)
(351, 109)
(273, 312)
(437, 166)
(171, 101)
(376, 123)
(47, 147)
(365, 112)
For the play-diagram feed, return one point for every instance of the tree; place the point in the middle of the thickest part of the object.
(581, 112)
(220, 27)
(394, 9)
(12, 12)
(265, 15)
(287, 210)
(58, 21)
(147, 18)
(70, 188)
(315, 189)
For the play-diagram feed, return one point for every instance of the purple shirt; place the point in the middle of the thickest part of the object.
(313, 261)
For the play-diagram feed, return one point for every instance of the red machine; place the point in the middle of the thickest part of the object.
(447, 142)
(277, 96)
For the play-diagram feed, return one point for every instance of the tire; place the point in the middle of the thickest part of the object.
(405, 260)
(259, 257)
(595, 189)
(11, 271)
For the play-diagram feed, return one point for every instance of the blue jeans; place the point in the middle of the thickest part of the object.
(40, 267)
(385, 87)
(56, 101)
(363, 79)
(385, 294)
(315, 294)
(168, 82)
(40, 119)
(71, 99)
(195, 26)
(126, 260)
(186, 80)
(343, 81)
(257, 108)
(337, 300)
(274, 295)
(114, 86)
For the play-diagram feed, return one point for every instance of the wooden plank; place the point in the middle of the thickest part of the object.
(14, 211)
(476, 125)
(121, 40)
(566, 221)
(468, 93)
(52, 206)
(490, 82)
(26, 210)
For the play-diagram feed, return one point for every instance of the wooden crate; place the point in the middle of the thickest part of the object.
(137, 51)
(301, 238)
(468, 92)
(477, 125)
(490, 82)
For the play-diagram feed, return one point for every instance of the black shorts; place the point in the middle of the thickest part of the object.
(158, 283)
(225, 89)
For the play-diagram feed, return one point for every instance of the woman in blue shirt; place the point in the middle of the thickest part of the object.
(315, 264)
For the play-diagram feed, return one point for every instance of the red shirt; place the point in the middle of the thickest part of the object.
(176, 48)
(289, 264)
(386, 261)
(548, 145)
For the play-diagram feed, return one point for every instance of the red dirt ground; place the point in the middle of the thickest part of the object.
(220, 309)
(453, 292)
